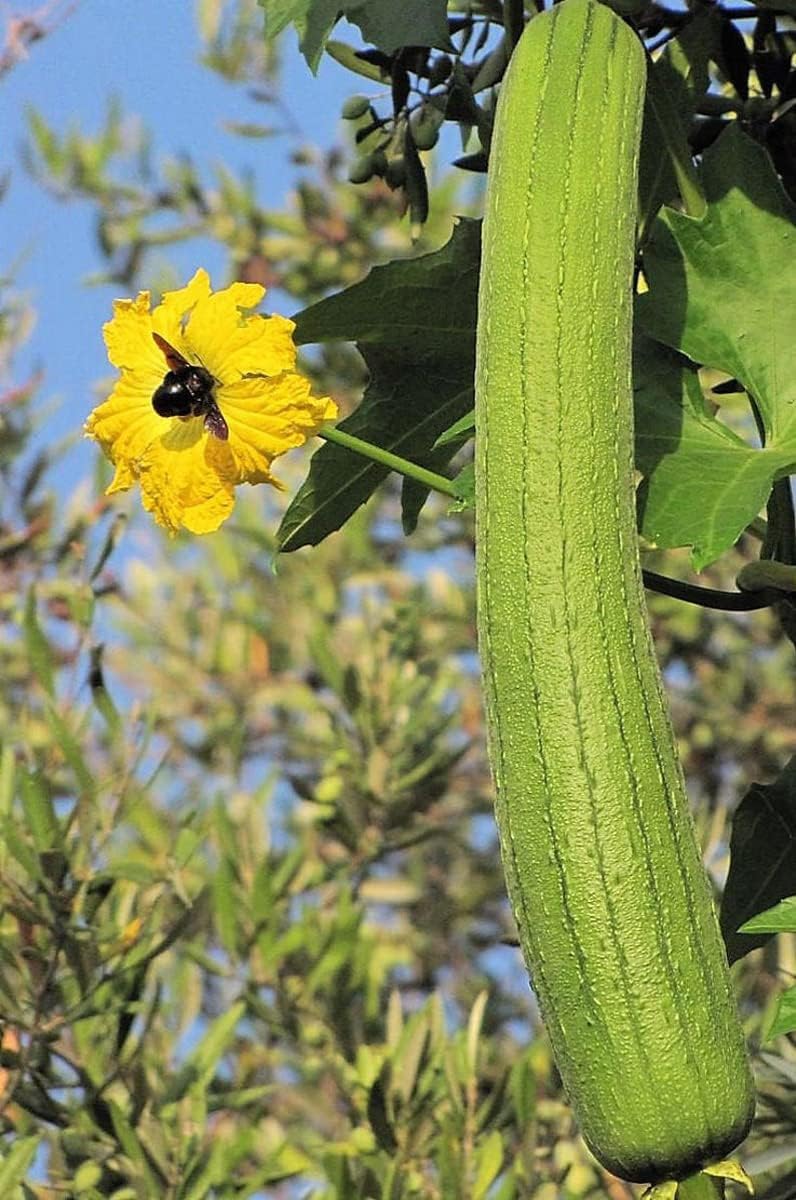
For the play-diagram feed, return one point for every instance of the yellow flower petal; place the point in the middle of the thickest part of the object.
(128, 336)
(126, 423)
(168, 318)
(232, 344)
(187, 474)
(267, 417)
(175, 304)
(241, 468)
(183, 484)
(123, 479)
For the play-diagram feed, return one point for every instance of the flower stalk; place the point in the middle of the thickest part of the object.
(394, 462)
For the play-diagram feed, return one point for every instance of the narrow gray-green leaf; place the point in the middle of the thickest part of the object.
(14, 1167)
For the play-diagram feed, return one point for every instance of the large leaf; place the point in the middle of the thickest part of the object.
(702, 481)
(785, 1017)
(723, 292)
(384, 24)
(281, 13)
(675, 84)
(762, 859)
(322, 17)
(414, 323)
(779, 919)
(411, 23)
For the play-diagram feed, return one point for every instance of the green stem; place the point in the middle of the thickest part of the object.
(393, 462)
(758, 594)
(701, 1187)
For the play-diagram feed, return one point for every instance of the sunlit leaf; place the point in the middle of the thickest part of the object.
(722, 290)
(784, 1020)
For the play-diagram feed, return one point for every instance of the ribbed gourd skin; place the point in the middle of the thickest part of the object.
(612, 902)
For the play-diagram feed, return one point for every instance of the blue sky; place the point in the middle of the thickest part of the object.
(146, 53)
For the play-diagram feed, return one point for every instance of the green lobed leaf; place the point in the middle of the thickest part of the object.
(675, 83)
(779, 919)
(415, 494)
(389, 26)
(313, 19)
(382, 23)
(460, 431)
(762, 859)
(735, 267)
(722, 292)
(702, 482)
(322, 17)
(281, 13)
(465, 489)
(446, 447)
(421, 356)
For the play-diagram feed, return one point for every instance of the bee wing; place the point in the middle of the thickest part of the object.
(215, 423)
(174, 359)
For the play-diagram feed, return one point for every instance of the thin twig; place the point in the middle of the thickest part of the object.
(22, 30)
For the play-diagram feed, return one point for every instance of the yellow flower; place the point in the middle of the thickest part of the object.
(231, 382)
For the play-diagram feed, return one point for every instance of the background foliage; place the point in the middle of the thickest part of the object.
(255, 939)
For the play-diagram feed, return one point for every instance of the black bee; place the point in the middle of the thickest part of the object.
(187, 391)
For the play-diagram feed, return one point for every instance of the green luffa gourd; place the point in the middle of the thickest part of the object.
(610, 895)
